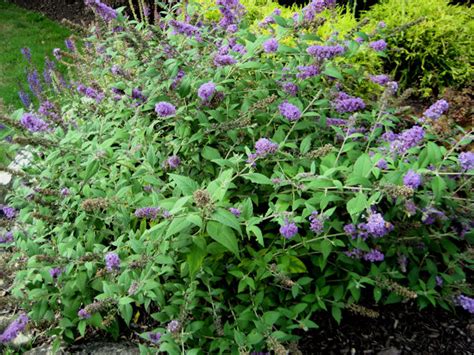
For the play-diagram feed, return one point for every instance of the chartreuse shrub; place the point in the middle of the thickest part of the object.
(436, 52)
(213, 189)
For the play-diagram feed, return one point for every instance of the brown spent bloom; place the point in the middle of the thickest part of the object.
(321, 151)
(398, 191)
(202, 198)
(363, 311)
(396, 288)
(276, 346)
(94, 204)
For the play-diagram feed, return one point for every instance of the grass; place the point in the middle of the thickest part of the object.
(21, 28)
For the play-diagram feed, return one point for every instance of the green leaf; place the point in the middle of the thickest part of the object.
(326, 248)
(280, 20)
(195, 258)
(362, 166)
(177, 225)
(225, 217)
(296, 265)
(210, 153)
(270, 318)
(336, 313)
(184, 183)
(332, 71)
(305, 145)
(223, 235)
(258, 178)
(357, 204)
(91, 169)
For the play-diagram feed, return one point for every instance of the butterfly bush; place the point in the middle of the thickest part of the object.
(190, 188)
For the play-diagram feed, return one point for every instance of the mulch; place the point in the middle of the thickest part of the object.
(400, 329)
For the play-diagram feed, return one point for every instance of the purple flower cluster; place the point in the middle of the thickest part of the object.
(290, 88)
(172, 162)
(305, 72)
(138, 95)
(382, 164)
(49, 110)
(6, 238)
(70, 44)
(177, 79)
(165, 109)
(373, 255)
(265, 146)
(15, 328)
(26, 53)
(55, 272)
(206, 91)
(316, 222)
(407, 139)
(232, 12)
(375, 226)
(235, 211)
(316, 7)
(221, 60)
(154, 337)
(269, 19)
(185, 29)
(270, 45)
(436, 110)
(34, 83)
(467, 303)
(325, 52)
(106, 12)
(25, 98)
(112, 261)
(346, 103)
(90, 92)
(431, 215)
(8, 212)
(288, 229)
(289, 111)
(57, 53)
(174, 326)
(148, 212)
(439, 281)
(412, 179)
(33, 123)
(466, 161)
(335, 122)
(381, 79)
(379, 45)
(83, 314)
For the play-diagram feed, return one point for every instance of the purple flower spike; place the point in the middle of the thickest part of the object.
(264, 147)
(379, 45)
(165, 109)
(235, 211)
(325, 52)
(148, 212)
(288, 229)
(206, 91)
(289, 111)
(317, 222)
(112, 261)
(346, 103)
(55, 272)
(154, 337)
(436, 110)
(15, 328)
(467, 303)
(412, 179)
(83, 314)
(174, 326)
(466, 161)
(374, 255)
(172, 162)
(270, 46)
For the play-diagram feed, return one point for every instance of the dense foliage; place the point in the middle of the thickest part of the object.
(214, 189)
(436, 52)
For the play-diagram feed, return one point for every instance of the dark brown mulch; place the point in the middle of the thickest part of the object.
(400, 329)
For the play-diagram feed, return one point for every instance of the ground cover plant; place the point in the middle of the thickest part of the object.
(20, 29)
(437, 51)
(212, 189)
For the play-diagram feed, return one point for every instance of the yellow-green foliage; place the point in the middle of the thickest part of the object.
(435, 53)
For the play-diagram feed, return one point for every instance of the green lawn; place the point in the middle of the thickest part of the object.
(21, 28)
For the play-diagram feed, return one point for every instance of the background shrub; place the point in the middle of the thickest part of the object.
(216, 188)
(433, 54)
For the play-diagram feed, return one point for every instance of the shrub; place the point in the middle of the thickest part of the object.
(434, 53)
(188, 184)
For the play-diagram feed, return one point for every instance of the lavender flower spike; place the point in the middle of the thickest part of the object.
(289, 111)
(33, 123)
(15, 328)
(165, 109)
